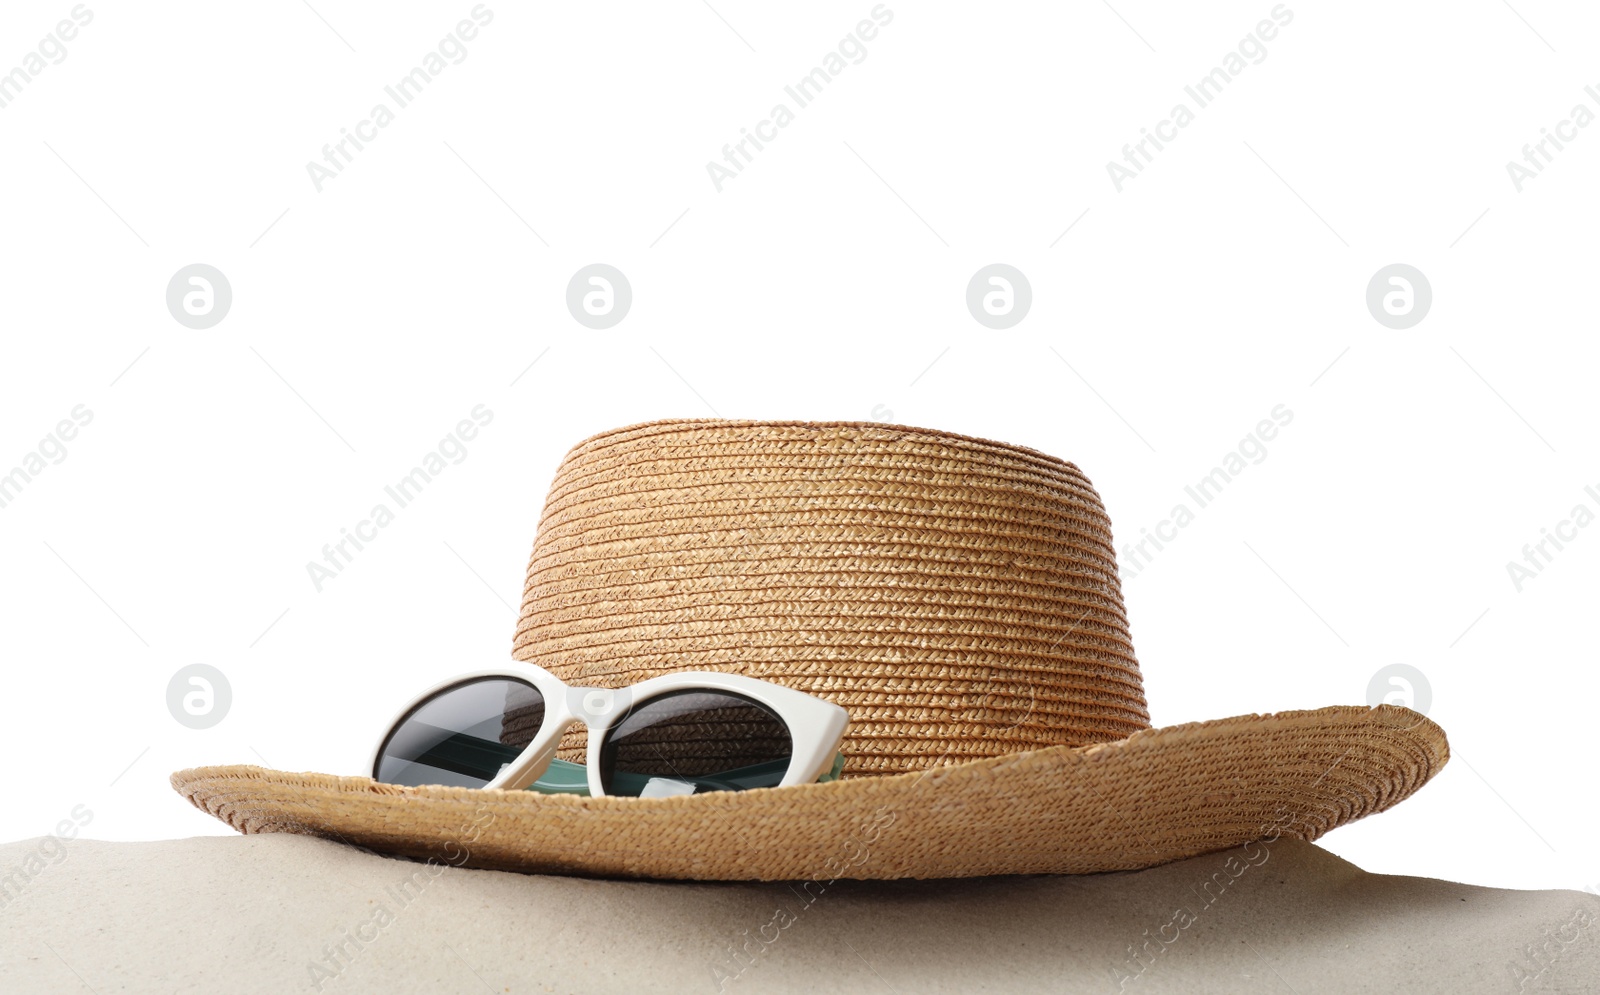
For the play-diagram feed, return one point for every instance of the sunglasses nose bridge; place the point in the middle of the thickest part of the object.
(591, 704)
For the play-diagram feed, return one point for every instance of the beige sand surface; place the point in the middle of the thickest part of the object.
(283, 913)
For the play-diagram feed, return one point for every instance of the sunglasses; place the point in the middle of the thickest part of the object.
(677, 734)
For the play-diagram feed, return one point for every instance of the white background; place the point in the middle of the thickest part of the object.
(826, 282)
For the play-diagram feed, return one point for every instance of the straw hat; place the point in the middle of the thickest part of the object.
(959, 597)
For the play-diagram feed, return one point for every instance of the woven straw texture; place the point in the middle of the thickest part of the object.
(958, 596)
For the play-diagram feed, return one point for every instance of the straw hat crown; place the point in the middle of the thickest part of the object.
(958, 596)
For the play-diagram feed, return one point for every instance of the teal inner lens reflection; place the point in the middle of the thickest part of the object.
(463, 735)
(689, 742)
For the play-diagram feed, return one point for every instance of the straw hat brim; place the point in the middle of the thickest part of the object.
(1156, 796)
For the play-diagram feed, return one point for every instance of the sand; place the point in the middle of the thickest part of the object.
(282, 913)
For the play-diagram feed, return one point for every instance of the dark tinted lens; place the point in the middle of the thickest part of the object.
(463, 735)
(699, 740)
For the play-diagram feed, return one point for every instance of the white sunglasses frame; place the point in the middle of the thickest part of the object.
(816, 727)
